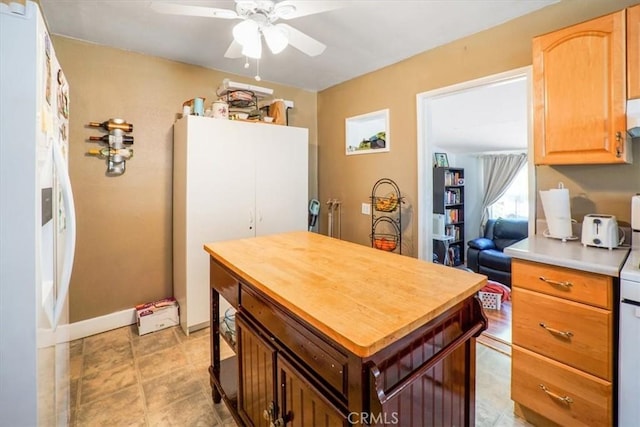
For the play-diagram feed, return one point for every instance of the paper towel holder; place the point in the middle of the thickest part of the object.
(561, 228)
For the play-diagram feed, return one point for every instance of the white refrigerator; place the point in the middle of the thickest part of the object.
(37, 223)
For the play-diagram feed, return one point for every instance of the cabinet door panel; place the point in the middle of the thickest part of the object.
(633, 52)
(221, 190)
(301, 404)
(579, 93)
(213, 199)
(282, 194)
(257, 361)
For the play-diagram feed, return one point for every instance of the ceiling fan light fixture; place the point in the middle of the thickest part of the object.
(253, 47)
(276, 37)
(246, 31)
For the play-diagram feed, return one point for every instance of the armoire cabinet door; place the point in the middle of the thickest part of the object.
(221, 191)
(282, 193)
(580, 93)
(257, 365)
(301, 405)
(213, 200)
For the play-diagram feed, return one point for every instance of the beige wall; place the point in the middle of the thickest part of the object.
(506, 47)
(124, 240)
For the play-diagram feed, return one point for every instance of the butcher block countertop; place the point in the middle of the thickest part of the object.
(362, 298)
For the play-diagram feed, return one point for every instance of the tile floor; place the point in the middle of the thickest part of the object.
(119, 378)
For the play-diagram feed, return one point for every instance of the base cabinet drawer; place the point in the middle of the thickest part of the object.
(575, 334)
(562, 394)
(580, 286)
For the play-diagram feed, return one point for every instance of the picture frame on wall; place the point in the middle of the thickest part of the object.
(367, 133)
(441, 160)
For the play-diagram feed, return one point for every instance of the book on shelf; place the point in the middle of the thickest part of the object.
(452, 215)
(453, 231)
(454, 255)
(453, 196)
(452, 178)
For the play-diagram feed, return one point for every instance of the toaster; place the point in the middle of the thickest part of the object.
(600, 231)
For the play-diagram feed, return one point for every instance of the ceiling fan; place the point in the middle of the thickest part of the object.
(259, 20)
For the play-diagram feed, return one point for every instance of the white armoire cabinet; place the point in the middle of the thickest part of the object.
(231, 180)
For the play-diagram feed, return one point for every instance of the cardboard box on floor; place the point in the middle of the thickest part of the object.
(154, 316)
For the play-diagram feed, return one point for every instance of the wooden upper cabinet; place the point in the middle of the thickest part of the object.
(633, 52)
(579, 78)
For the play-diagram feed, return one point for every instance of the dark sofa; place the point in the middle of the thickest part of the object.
(485, 255)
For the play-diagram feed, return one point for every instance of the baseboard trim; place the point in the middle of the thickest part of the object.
(97, 325)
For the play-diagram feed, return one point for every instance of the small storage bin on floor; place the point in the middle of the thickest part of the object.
(490, 300)
(157, 315)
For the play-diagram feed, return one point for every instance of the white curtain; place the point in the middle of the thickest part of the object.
(498, 172)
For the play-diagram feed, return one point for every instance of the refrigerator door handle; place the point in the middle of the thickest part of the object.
(70, 238)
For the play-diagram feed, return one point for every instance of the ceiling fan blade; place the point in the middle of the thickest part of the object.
(303, 42)
(183, 9)
(284, 9)
(234, 50)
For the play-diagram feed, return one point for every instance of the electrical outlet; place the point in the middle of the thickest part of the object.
(366, 208)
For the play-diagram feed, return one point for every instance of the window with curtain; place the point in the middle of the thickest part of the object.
(498, 173)
(514, 203)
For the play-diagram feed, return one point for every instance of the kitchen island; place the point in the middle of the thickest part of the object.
(329, 332)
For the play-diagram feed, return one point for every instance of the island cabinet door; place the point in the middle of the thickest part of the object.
(301, 404)
(257, 363)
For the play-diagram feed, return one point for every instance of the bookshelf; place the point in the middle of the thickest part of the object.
(448, 200)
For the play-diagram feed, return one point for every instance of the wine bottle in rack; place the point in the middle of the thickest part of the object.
(125, 153)
(113, 124)
(127, 139)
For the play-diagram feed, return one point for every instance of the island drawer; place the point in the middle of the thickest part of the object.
(224, 283)
(299, 340)
(581, 286)
(576, 334)
(562, 394)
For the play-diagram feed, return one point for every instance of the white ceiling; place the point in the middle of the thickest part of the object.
(488, 118)
(361, 36)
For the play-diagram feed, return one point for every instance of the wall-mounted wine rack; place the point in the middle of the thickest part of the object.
(116, 148)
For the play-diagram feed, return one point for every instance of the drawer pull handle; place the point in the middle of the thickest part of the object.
(564, 399)
(563, 334)
(565, 285)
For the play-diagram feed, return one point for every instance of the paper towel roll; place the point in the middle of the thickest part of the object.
(557, 212)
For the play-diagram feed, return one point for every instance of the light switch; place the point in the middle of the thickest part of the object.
(366, 208)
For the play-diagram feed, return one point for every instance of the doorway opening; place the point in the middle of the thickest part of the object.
(486, 116)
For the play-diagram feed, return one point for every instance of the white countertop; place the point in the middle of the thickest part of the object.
(570, 254)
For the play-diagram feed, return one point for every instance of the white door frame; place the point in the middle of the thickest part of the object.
(425, 151)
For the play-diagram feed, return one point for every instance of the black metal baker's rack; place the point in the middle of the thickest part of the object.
(386, 216)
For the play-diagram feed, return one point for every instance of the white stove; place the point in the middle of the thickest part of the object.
(629, 339)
